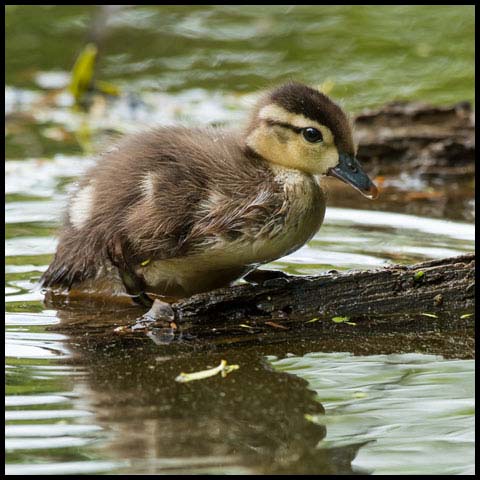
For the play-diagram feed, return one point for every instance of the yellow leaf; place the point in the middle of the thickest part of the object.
(83, 71)
(223, 369)
(340, 319)
(418, 275)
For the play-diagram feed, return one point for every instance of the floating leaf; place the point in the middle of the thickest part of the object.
(223, 369)
(359, 395)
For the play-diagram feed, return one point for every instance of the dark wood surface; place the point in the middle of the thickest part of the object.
(434, 288)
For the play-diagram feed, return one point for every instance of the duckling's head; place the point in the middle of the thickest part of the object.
(301, 128)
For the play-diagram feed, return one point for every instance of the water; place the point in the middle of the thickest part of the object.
(85, 402)
(411, 406)
(178, 48)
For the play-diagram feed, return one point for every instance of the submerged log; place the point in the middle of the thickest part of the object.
(433, 290)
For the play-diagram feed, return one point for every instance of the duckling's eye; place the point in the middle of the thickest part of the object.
(312, 135)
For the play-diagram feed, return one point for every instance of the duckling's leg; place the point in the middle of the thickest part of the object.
(161, 314)
(260, 276)
(158, 323)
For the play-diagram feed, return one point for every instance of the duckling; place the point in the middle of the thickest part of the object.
(175, 211)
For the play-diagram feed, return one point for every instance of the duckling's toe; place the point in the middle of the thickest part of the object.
(161, 314)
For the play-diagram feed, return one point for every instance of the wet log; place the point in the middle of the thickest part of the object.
(426, 307)
(435, 290)
(427, 140)
(422, 158)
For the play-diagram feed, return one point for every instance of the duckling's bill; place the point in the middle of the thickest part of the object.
(350, 171)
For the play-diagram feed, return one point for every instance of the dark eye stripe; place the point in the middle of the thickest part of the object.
(284, 125)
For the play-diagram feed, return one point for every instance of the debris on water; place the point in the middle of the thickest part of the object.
(150, 329)
(223, 369)
(359, 395)
(276, 325)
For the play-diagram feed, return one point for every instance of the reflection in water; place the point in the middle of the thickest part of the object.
(110, 404)
(252, 421)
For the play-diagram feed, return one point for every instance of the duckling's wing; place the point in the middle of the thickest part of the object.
(175, 186)
(162, 195)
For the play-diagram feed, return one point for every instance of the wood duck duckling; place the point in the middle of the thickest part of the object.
(176, 211)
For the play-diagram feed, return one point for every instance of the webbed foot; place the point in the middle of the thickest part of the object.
(158, 323)
(161, 314)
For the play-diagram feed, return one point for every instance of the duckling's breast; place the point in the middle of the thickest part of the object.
(302, 212)
(235, 239)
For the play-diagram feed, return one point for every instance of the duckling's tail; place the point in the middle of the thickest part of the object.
(61, 275)
(70, 266)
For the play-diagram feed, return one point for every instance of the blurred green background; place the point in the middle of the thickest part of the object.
(372, 54)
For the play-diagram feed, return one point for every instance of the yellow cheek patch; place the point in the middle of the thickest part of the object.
(282, 146)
